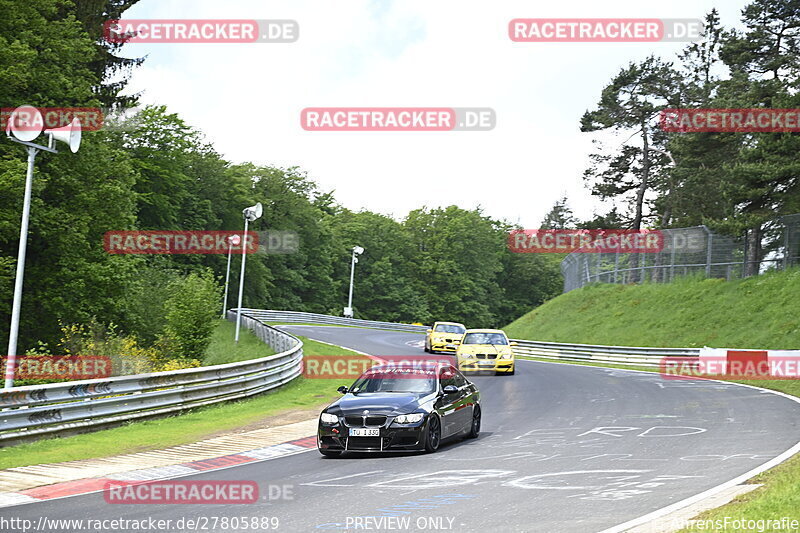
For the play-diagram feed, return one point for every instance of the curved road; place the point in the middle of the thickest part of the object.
(563, 448)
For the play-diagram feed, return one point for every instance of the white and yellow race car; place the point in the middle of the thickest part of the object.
(444, 337)
(485, 350)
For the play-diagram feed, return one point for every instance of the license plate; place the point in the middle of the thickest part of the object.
(450, 346)
(365, 432)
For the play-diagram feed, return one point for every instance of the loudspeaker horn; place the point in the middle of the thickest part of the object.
(25, 123)
(70, 134)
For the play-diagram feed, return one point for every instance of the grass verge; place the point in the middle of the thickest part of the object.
(222, 350)
(778, 498)
(192, 426)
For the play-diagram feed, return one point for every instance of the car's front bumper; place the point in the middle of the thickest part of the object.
(391, 438)
(443, 345)
(486, 365)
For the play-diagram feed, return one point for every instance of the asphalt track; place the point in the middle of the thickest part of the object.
(563, 448)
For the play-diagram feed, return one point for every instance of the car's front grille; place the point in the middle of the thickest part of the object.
(358, 421)
(486, 355)
(363, 443)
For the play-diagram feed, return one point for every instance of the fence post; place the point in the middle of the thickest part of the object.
(785, 245)
(642, 259)
(586, 269)
(708, 253)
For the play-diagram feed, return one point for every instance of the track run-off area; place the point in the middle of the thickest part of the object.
(563, 448)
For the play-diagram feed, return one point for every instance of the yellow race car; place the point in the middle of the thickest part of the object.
(485, 349)
(444, 337)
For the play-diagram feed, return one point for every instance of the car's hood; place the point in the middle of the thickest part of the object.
(484, 348)
(378, 402)
(453, 336)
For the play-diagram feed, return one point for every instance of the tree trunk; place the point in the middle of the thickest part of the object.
(637, 219)
(753, 252)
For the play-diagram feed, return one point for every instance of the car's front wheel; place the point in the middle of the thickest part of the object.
(434, 435)
(475, 429)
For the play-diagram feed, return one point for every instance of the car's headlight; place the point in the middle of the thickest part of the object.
(328, 418)
(507, 356)
(413, 418)
(466, 355)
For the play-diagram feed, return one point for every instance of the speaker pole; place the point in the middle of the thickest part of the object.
(24, 125)
(13, 334)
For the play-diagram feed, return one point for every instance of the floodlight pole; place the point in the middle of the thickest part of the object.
(227, 278)
(357, 250)
(250, 214)
(13, 333)
(352, 271)
(241, 277)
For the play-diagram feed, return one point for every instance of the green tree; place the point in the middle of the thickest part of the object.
(560, 216)
(631, 103)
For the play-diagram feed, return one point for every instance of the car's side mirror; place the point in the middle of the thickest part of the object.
(450, 389)
(512, 343)
(342, 389)
(428, 331)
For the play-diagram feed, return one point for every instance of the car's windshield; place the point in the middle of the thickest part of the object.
(449, 328)
(396, 380)
(485, 338)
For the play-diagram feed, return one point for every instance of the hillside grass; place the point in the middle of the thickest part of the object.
(757, 312)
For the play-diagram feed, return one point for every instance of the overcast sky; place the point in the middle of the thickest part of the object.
(247, 98)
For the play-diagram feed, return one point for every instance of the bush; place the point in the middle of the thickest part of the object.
(126, 354)
(191, 313)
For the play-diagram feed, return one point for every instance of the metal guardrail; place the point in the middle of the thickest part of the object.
(37, 410)
(628, 355)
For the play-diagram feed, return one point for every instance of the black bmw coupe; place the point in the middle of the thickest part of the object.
(399, 408)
